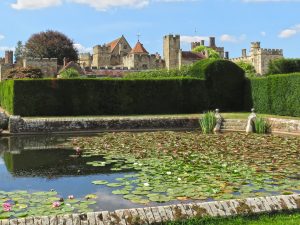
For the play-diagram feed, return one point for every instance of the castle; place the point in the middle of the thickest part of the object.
(48, 67)
(260, 58)
(119, 54)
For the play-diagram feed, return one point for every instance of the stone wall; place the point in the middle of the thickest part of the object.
(4, 68)
(49, 67)
(179, 212)
(96, 124)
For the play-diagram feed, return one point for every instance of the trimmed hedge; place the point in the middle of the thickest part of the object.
(7, 95)
(277, 94)
(74, 97)
(284, 66)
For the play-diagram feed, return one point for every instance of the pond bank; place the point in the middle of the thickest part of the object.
(25, 125)
(160, 214)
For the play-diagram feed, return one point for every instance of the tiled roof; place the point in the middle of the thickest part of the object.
(114, 43)
(139, 49)
(192, 55)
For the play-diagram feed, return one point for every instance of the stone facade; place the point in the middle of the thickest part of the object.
(260, 58)
(85, 60)
(118, 53)
(49, 67)
(6, 63)
(174, 57)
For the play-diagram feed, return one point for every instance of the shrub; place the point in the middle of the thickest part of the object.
(248, 68)
(70, 73)
(208, 122)
(163, 73)
(22, 73)
(283, 66)
(212, 54)
(262, 126)
(276, 94)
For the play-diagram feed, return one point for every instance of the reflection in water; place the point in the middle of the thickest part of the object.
(42, 163)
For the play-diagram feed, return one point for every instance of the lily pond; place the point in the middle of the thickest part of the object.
(52, 175)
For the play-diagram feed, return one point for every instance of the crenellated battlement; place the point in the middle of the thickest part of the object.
(238, 59)
(101, 49)
(171, 36)
(266, 51)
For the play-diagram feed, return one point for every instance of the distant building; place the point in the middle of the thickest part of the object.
(259, 57)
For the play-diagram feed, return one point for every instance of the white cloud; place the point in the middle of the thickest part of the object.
(82, 49)
(35, 4)
(101, 5)
(286, 33)
(263, 33)
(232, 39)
(6, 48)
(2, 37)
(190, 39)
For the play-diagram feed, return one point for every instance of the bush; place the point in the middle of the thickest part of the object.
(262, 126)
(212, 54)
(70, 73)
(74, 97)
(22, 73)
(163, 73)
(7, 95)
(284, 66)
(208, 122)
(277, 94)
(248, 68)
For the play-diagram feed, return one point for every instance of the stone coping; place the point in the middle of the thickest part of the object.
(19, 125)
(160, 214)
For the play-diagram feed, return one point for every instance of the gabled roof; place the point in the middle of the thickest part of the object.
(114, 43)
(139, 49)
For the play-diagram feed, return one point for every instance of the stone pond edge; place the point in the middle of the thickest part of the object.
(20, 125)
(160, 214)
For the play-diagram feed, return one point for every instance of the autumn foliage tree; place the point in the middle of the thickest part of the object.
(51, 44)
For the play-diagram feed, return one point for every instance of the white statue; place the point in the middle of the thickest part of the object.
(219, 121)
(251, 120)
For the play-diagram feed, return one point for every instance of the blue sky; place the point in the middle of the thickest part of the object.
(234, 23)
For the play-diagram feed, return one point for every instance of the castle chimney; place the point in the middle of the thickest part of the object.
(226, 55)
(244, 53)
(202, 42)
(212, 42)
(9, 57)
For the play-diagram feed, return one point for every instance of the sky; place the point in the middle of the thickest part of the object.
(234, 23)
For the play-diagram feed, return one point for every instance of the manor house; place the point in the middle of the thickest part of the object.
(260, 58)
(119, 54)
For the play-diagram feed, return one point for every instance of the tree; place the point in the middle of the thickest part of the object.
(19, 52)
(51, 44)
(212, 54)
(248, 68)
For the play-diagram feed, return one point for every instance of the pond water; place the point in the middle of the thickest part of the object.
(126, 170)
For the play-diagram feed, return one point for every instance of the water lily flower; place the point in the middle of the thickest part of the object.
(71, 197)
(135, 163)
(6, 207)
(179, 179)
(55, 204)
(146, 184)
(140, 164)
(169, 173)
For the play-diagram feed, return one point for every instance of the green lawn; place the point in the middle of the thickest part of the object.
(276, 219)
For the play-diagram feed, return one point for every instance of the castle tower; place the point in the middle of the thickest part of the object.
(101, 56)
(212, 42)
(172, 51)
(255, 46)
(9, 57)
(244, 53)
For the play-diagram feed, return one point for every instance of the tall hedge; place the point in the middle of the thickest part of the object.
(284, 66)
(7, 95)
(277, 94)
(74, 97)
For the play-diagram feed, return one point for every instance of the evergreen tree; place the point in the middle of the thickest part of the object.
(19, 52)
